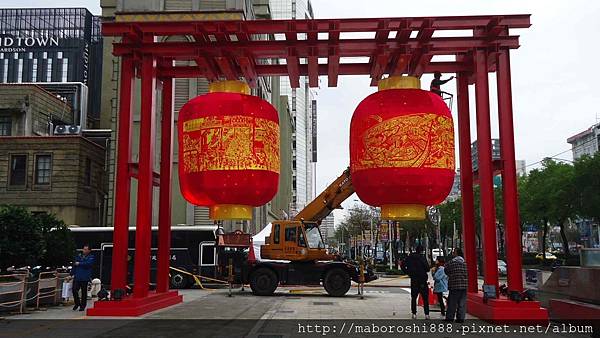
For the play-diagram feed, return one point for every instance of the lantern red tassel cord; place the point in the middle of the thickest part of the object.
(228, 151)
(402, 149)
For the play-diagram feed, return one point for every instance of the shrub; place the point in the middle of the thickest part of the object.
(21, 239)
(58, 241)
(33, 240)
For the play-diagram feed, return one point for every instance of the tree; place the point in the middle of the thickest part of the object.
(21, 239)
(59, 245)
(28, 240)
(587, 184)
(547, 197)
(356, 222)
(451, 212)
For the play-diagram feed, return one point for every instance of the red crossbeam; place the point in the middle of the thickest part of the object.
(312, 48)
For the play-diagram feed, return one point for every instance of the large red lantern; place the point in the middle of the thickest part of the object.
(402, 149)
(228, 151)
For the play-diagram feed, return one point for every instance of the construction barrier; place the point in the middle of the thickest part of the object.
(12, 292)
(20, 290)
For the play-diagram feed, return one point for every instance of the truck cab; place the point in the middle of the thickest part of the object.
(298, 241)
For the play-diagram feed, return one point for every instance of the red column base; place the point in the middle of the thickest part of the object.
(504, 311)
(133, 307)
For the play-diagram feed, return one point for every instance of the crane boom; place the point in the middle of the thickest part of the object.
(331, 198)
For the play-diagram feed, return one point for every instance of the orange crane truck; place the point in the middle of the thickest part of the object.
(294, 253)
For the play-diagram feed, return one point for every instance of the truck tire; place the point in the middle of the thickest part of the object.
(263, 282)
(337, 282)
(179, 280)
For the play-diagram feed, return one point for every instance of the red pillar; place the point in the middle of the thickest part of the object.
(122, 179)
(466, 180)
(509, 174)
(484, 150)
(143, 228)
(166, 165)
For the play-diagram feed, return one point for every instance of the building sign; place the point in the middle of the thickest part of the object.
(314, 130)
(20, 44)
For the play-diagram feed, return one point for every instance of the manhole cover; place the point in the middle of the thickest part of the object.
(322, 303)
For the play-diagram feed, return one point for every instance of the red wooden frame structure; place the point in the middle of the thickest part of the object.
(476, 46)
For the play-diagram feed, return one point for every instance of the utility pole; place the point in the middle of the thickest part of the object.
(390, 244)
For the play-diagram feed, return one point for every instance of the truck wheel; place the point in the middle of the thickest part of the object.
(263, 282)
(179, 280)
(337, 282)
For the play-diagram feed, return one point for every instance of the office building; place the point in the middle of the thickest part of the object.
(59, 174)
(327, 227)
(303, 107)
(59, 49)
(585, 143)
(184, 213)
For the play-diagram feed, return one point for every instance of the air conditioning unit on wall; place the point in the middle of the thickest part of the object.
(67, 130)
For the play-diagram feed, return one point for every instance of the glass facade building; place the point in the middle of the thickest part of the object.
(53, 45)
(300, 103)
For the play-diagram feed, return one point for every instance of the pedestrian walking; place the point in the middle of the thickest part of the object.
(82, 274)
(416, 267)
(456, 270)
(440, 283)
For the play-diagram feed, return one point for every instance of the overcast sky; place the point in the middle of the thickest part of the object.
(555, 73)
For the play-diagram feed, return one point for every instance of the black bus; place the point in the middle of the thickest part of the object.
(192, 250)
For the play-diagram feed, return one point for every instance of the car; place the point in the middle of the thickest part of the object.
(549, 256)
(501, 268)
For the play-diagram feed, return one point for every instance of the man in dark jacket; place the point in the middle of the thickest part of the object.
(416, 267)
(82, 273)
(456, 270)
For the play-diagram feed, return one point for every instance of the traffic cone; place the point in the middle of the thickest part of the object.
(251, 256)
(432, 297)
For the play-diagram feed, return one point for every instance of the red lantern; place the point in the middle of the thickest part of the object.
(402, 149)
(228, 151)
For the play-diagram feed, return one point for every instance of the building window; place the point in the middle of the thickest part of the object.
(88, 172)
(5, 71)
(43, 169)
(18, 170)
(49, 71)
(65, 69)
(34, 71)
(5, 125)
(20, 71)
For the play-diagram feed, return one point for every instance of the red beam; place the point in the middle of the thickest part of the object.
(123, 177)
(304, 26)
(133, 173)
(210, 72)
(466, 180)
(333, 69)
(313, 71)
(304, 48)
(292, 69)
(247, 67)
(165, 197)
(379, 65)
(227, 69)
(302, 70)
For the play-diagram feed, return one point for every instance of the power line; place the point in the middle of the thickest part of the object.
(562, 152)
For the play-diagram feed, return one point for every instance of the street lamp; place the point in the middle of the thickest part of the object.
(435, 216)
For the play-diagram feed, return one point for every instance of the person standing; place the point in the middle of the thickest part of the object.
(440, 283)
(416, 267)
(456, 270)
(82, 274)
(437, 82)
